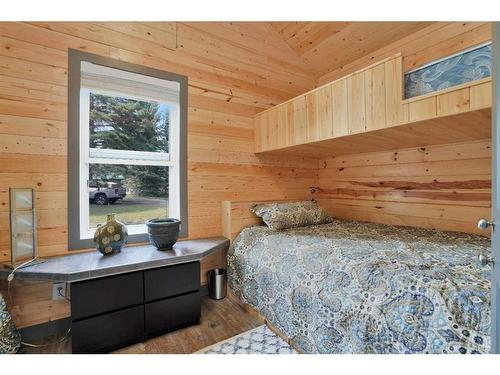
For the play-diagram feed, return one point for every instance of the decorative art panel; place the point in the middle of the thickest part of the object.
(467, 66)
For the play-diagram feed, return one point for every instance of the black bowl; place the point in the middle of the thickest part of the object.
(163, 233)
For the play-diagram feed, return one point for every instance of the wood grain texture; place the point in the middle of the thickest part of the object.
(430, 43)
(30, 302)
(319, 105)
(433, 131)
(328, 46)
(374, 91)
(356, 103)
(445, 187)
(237, 215)
(360, 102)
(480, 95)
(422, 109)
(298, 123)
(375, 98)
(375, 116)
(396, 112)
(340, 108)
(228, 84)
(235, 70)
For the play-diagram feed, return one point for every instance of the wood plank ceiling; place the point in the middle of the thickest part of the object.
(326, 46)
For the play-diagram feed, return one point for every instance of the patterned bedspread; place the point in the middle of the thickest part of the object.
(353, 287)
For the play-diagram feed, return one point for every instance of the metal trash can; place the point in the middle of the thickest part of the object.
(217, 283)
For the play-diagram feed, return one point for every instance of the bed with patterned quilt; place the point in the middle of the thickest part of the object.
(356, 287)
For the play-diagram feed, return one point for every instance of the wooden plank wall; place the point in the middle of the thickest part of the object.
(235, 70)
(446, 187)
(238, 215)
(431, 43)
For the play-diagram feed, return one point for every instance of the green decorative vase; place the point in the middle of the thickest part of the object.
(110, 236)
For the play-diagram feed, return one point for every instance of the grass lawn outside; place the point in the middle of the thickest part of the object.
(131, 210)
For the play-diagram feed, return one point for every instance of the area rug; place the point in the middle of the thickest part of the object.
(260, 340)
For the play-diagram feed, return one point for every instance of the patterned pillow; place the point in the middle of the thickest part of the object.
(10, 339)
(291, 214)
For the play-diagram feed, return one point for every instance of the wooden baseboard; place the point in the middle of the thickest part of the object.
(256, 314)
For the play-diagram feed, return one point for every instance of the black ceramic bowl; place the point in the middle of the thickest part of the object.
(163, 233)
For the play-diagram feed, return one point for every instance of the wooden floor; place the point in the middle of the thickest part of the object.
(220, 320)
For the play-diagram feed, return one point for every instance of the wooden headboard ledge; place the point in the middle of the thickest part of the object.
(236, 215)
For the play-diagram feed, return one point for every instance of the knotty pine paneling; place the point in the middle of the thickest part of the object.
(445, 187)
(430, 43)
(325, 46)
(30, 303)
(235, 71)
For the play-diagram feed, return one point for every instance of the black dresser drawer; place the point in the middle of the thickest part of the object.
(93, 297)
(108, 332)
(170, 314)
(171, 281)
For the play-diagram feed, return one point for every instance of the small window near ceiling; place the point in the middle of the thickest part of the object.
(465, 66)
(127, 146)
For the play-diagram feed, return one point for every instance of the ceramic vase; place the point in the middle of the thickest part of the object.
(110, 237)
(163, 233)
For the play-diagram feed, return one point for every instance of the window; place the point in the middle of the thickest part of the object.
(127, 146)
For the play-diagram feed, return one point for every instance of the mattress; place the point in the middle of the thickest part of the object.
(354, 287)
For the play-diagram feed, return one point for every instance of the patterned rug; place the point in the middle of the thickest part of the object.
(260, 340)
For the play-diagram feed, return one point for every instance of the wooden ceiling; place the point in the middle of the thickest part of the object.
(326, 46)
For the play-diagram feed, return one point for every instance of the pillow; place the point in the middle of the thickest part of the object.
(291, 214)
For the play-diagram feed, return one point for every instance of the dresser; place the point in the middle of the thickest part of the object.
(112, 312)
(129, 297)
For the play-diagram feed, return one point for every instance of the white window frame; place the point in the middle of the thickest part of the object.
(90, 155)
(110, 75)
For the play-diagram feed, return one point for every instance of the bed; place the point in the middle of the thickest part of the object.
(356, 287)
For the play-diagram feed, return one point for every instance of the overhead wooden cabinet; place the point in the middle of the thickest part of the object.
(319, 104)
(423, 109)
(356, 103)
(455, 101)
(282, 134)
(340, 117)
(375, 97)
(480, 95)
(468, 97)
(396, 111)
(298, 120)
(365, 111)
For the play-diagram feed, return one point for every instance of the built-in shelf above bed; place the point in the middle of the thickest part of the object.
(366, 112)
